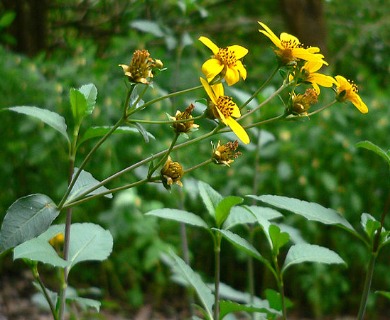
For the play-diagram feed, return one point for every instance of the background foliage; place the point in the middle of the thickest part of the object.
(315, 160)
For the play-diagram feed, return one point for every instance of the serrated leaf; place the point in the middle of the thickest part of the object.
(247, 214)
(202, 290)
(180, 216)
(84, 182)
(89, 242)
(300, 253)
(223, 208)
(37, 249)
(96, 132)
(210, 197)
(240, 243)
(374, 148)
(278, 238)
(78, 104)
(227, 307)
(25, 219)
(309, 210)
(90, 93)
(51, 118)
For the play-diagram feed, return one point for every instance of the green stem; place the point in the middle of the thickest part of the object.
(367, 286)
(217, 270)
(280, 283)
(164, 122)
(198, 166)
(254, 95)
(322, 108)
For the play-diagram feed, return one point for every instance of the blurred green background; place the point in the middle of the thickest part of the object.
(47, 47)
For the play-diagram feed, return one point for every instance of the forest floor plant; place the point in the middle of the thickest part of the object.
(28, 228)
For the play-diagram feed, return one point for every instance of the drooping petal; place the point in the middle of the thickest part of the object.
(268, 33)
(211, 68)
(359, 104)
(232, 76)
(209, 44)
(239, 51)
(237, 129)
(241, 69)
(209, 91)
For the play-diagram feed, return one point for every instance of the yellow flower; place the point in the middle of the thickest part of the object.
(224, 154)
(290, 49)
(349, 91)
(171, 173)
(141, 67)
(224, 108)
(224, 62)
(308, 74)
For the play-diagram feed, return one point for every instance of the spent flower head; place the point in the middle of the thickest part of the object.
(308, 74)
(348, 91)
(141, 67)
(171, 173)
(290, 49)
(301, 103)
(184, 126)
(224, 62)
(225, 109)
(226, 153)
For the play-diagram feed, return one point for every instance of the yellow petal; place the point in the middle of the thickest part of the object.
(341, 82)
(289, 38)
(321, 79)
(238, 51)
(238, 130)
(312, 66)
(218, 90)
(268, 33)
(209, 44)
(211, 68)
(241, 69)
(209, 91)
(232, 76)
(305, 54)
(236, 113)
(358, 103)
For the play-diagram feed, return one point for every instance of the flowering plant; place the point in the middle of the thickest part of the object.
(28, 228)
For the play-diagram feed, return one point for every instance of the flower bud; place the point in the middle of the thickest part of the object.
(185, 126)
(224, 154)
(171, 173)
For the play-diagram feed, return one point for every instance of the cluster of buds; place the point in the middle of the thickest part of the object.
(141, 67)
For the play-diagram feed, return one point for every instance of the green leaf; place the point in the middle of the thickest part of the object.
(202, 290)
(374, 148)
(369, 224)
(90, 93)
(275, 300)
(25, 219)
(386, 294)
(6, 19)
(223, 208)
(85, 182)
(89, 242)
(51, 118)
(86, 303)
(240, 243)
(247, 214)
(210, 197)
(278, 238)
(309, 210)
(78, 103)
(148, 26)
(40, 250)
(180, 216)
(96, 132)
(300, 253)
(227, 307)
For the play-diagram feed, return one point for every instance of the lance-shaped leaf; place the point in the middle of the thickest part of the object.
(300, 253)
(180, 216)
(85, 182)
(223, 208)
(227, 307)
(309, 210)
(278, 238)
(210, 197)
(202, 290)
(374, 148)
(25, 219)
(89, 242)
(90, 93)
(78, 104)
(51, 118)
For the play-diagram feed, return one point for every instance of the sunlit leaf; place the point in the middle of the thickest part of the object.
(278, 238)
(180, 216)
(210, 197)
(90, 93)
(374, 148)
(223, 208)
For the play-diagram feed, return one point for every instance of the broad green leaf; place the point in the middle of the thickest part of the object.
(278, 238)
(210, 197)
(148, 26)
(96, 132)
(84, 182)
(90, 93)
(25, 219)
(265, 224)
(40, 250)
(309, 210)
(374, 148)
(240, 243)
(180, 216)
(78, 103)
(228, 293)
(227, 307)
(369, 224)
(300, 253)
(223, 208)
(51, 118)
(202, 290)
(89, 242)
(275, 300)
(247, 214)
(86, 303)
